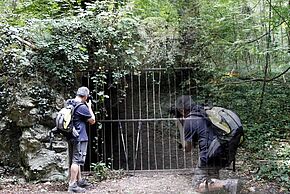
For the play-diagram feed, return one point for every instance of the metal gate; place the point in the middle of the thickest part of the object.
(136, 130)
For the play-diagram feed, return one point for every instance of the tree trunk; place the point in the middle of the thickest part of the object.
(288, 30)
(266, 69)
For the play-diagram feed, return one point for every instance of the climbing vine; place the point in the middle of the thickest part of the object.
(228, 43)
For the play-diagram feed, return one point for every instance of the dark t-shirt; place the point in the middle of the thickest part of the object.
(81, 115)
(197, 128)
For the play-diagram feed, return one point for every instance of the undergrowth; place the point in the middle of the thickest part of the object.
(103, 171)
(267, 128)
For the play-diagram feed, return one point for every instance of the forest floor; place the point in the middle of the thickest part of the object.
(147, 182)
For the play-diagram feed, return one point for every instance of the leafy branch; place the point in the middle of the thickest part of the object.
(265, 34)
(27, 43)
(245, 79)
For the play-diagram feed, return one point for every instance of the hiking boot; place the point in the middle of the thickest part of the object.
(76, 189)
(233, 186)
(83, 183)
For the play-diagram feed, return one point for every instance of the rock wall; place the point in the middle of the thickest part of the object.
(24, 127)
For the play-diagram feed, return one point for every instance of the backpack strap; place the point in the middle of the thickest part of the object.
(76, 106)
(232, 119)
(200, 112)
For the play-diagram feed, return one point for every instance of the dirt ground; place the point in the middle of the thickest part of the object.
(145, 182)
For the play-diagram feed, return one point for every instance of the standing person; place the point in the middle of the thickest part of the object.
(197, 128)
(83, 114)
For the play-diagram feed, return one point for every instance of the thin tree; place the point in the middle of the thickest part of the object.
(289, 30)
(267, 62)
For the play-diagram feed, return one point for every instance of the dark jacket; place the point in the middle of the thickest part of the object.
(197, 127)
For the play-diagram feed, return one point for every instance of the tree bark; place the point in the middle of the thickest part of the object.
(266, 69)
(29, 44)
(289, 29)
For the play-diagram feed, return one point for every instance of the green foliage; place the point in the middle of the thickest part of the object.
(267, 129)
(101, 170)
(275, 171)
(41, 94)
(17, 12)
(85, 43)
(15, 66)
(156, 8)
(261, 125)
(214, 37)
(37, 8)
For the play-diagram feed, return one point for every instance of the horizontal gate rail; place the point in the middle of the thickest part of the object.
(143, 70)
(140, 120)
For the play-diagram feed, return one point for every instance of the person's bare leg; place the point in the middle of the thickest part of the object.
(74, 171)
(73, 187)
(79, 176)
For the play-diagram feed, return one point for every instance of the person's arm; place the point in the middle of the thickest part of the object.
(181, 133)
(189, 133)
(91, 120)
(186, 145)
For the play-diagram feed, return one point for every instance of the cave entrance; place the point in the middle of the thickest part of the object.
(136, 130)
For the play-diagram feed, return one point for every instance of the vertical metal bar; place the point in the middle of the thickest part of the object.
(154, 123)
(132, 116)
(169, 125)
(119, 135)
(124, 145)
(182, 92)
(147, 116)
(104, 128)
(126, 125)
(140, 117)
(189, 92)
(137, 143)
(90, 137)
(196, 94)
(111, 117)
(161, 116)
(176, 133)
(97, 139)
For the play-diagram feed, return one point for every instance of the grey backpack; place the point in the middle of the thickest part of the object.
(229, 134)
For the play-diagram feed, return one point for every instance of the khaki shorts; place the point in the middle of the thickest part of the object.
(77, 152)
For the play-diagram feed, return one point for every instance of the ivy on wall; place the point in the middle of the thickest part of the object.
(225, 41)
